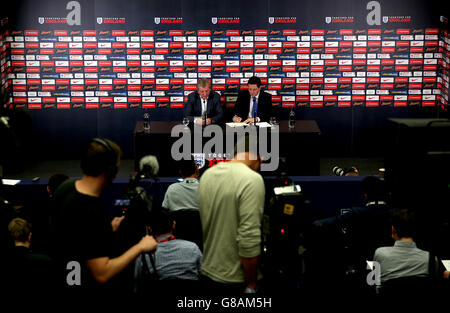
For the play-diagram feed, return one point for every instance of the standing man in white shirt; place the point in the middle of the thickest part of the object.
(231, 200)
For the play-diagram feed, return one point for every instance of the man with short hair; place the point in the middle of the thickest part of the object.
(404, 258)
(26, 272)
(40, 214)
(203, 106)
(183, 195)
(54, 181)
(82, 227)
(253, 105)
(231, 198)
(175, 258)
(182, 200)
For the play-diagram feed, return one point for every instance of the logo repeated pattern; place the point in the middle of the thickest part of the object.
(158, 68)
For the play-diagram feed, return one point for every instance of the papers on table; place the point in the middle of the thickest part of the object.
(10, 182)
(446, 264)
(370, 263)
(237, 124)
(261, 124)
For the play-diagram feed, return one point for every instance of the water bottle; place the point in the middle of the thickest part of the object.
(146, 122)
(291, 119)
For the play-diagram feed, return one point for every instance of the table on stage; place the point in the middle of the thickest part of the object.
(298, 146)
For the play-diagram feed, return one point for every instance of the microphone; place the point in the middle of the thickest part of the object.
(149, 166)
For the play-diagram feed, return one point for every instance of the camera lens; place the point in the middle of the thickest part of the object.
(338, 171)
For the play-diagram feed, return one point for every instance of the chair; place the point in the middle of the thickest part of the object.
(409, 289)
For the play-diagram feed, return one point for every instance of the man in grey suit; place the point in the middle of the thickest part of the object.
(203, 106)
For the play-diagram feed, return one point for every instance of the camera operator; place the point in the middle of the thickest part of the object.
(365, 228)
(81, 226)
(353, 235)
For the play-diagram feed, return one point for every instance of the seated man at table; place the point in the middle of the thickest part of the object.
(251, 102)
(203, 106)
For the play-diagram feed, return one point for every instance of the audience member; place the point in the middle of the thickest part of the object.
(349, 240)
(82, 229)
(404, 258)
(54, 182)
(231, 198)
(407, 271)
(175, 259)
(26, 272)
(183, 195)
(182, 200)
(40, 214)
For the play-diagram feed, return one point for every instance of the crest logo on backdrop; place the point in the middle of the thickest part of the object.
(199, 158)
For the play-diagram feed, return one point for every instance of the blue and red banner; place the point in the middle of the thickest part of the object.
(143, 54)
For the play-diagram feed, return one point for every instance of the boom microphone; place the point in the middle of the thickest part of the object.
(149, 166)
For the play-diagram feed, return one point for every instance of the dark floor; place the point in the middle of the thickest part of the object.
(44, 169)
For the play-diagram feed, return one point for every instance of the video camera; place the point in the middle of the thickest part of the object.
(136, 205)
(286, 220)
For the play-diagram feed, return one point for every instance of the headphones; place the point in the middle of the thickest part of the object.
(97, 165)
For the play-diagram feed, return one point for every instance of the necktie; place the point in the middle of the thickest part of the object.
(255, 107)
(203, 108)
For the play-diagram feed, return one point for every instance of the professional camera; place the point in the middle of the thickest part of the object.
(136, 205)
(286, 220)
(339, 171)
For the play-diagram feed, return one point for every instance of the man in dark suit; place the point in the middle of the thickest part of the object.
(251, 101)
(203, 106)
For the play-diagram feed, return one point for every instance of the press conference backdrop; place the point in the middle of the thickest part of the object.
(90, 68)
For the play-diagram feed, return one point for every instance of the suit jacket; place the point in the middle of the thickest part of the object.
(264, 110)
(193, 107)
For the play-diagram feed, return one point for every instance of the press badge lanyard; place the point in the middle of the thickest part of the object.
(167, 239)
